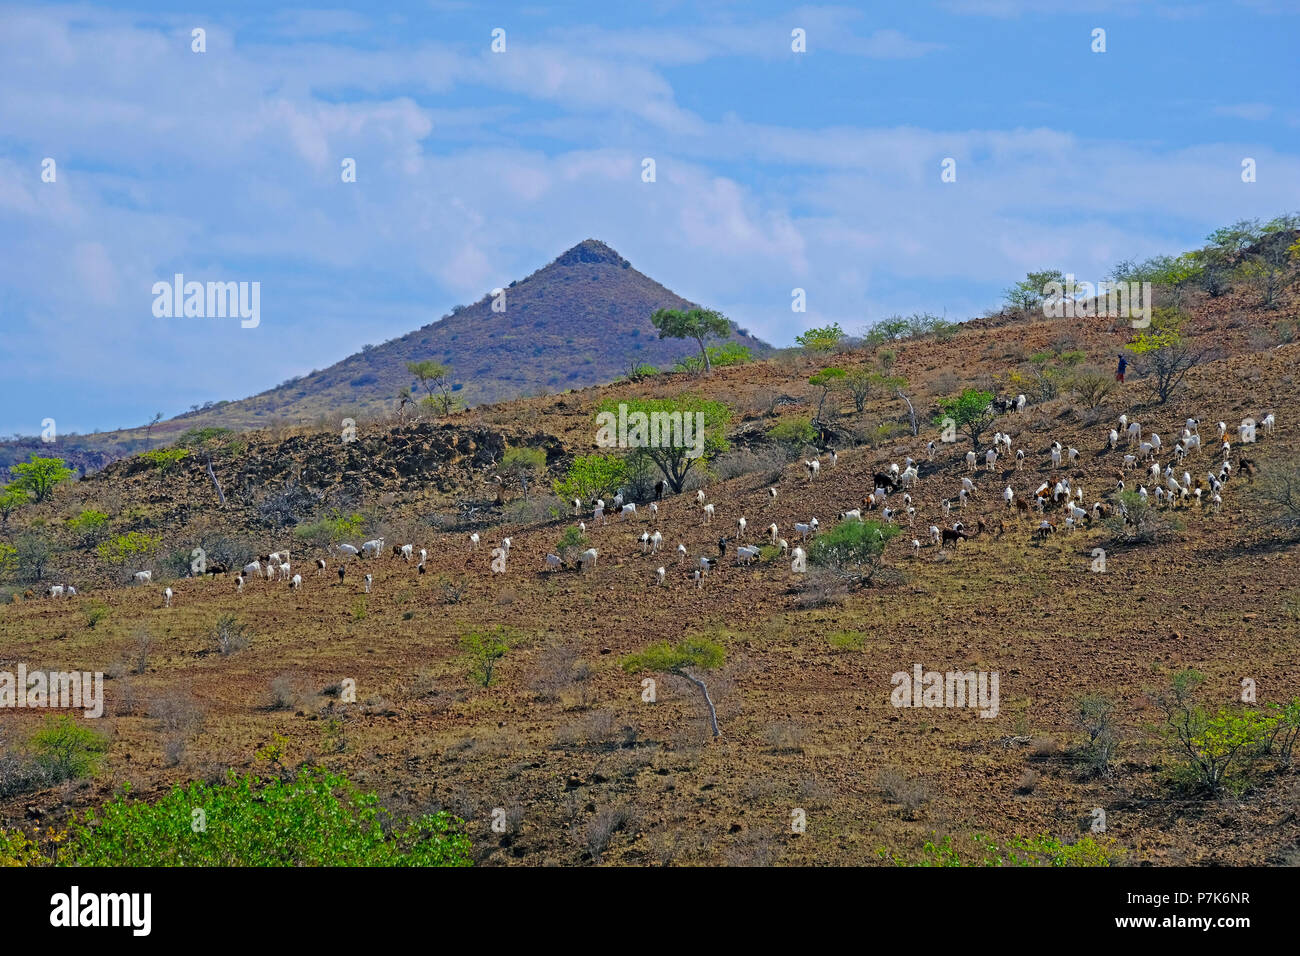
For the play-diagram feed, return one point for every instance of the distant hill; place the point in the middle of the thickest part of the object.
(579, 321)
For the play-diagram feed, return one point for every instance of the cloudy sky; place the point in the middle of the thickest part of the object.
(775, 170)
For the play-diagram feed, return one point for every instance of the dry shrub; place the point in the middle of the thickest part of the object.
(910, 794)
(599, 833)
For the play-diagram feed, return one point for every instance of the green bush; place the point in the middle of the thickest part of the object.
(331, 529)
(484, 649)
(200, 436)
(793, 433)
(121, 548)
(316, 819)
(89, 526)
(1041, 850)
(847, 640)
(824, 339)
(853, 547)
(591, 477)
(65, 750)
(729, 353)
(95, 613)
(164, 459)
(1218, 751)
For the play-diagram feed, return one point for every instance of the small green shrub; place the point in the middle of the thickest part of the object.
(484, 649)
(65, 750)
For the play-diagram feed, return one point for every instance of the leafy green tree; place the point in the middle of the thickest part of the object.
(825, 339)
(591, 477)
(683, 659)
(435, 379)
(522, 464)
(1165, 354)
(317, 818)
(33, 553)
(668, 448)
(1267, 266)
(39, 476)
(11, 499)
(1232, 241)
(888, 330)
(484, 649)
(1218, 750)
(971, 412)
(858, 383)
(826, 379)
(898, 387)
(697, 324)
(204, 437)
(8, 560)
(1028, 294)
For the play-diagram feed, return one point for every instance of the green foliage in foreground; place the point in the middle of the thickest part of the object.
(317, 819)
(1041, 850)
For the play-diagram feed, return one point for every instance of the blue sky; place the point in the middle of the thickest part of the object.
(775, 170)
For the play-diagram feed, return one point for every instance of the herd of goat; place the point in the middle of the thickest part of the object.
(891, 499)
